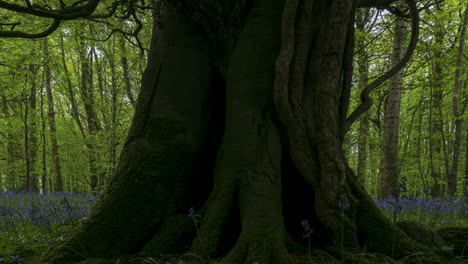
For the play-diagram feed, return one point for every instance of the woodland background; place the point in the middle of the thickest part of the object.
(66, 102)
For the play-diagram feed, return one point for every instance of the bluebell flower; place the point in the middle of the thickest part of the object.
(307, 229)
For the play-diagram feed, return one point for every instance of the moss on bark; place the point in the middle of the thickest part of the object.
(161, 160)
(161, 153)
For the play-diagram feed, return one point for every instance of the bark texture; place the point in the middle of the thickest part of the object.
(389, 162)
(52, 126)
(363, 75)
(437, 151)
(162, 153)
(275, 129)
(30, 134)
(457, 112)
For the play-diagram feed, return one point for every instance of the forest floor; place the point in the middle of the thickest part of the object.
(31, 223)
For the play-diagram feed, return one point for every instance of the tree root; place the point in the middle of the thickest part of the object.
(269, 249)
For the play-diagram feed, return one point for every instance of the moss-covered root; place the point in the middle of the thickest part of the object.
(172, 237)
(377, 232)
(268, 249)
(215, 217)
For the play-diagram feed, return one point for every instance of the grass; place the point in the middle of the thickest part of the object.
(31, 223)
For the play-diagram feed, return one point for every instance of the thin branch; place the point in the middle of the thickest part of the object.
(20, 34)
(28, 3)
(61, 14)
(374, 3)
(13, 25)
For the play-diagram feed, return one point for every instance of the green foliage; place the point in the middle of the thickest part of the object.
(109, 91)
(421, 149)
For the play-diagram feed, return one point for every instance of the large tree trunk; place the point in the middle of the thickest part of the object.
(263, 184)
(389, 162)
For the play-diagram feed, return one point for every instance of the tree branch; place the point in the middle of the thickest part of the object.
(61, 14)
(20, 34)
(366, 101)
(374, 3)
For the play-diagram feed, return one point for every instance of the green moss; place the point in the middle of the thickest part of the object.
(174, 236)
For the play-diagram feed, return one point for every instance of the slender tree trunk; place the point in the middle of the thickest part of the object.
(126, 72)
(465, 181)
(44, 143)
(457, 112)
(52, 124)
(389, 162)
(114, 111)
(87, 95)
(74, 107)
(363, 73)
(437, 138)
(13, 147)
(31, 133)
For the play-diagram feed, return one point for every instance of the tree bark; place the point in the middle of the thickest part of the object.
(126, 72)
(52, 124)
(363, 74)
(73, 104)
(93, 125)
(227, 143)
(389, 161)
(13, 147)
(465, 180)
(30, 131)
(44, 142)
(457, 112)
(437, 151)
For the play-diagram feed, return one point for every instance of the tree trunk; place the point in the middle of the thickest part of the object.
(363, 74)
(126, 72)
(87, 95)
(73, 104)
(44, 142)
(30, 132)
(437, 150)
(389, 162)
(113, 122)
(52, 124)
(223, 138)
(457, 112)
(14, 154)
(465, 180)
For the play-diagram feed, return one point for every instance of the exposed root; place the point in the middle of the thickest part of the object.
(376, 232)
(171, 237)
(214, 220)
(269, 249)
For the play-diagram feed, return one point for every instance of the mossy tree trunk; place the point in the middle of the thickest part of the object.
(254, 144)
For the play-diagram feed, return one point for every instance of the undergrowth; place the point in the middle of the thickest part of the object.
(31, 222)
